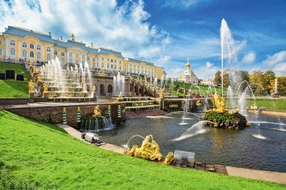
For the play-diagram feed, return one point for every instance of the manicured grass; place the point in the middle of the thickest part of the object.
(39, 155)
(271, 104)
(18, 68)
(13, 89)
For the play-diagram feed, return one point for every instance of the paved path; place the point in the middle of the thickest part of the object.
(277, 177)
(77, 134)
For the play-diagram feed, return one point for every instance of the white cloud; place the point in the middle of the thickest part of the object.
(123, 28)
(249, 58)
(207, 71)
(275, 58)
(175, 72)
(209, 65)
(280, 69)
(181, 3)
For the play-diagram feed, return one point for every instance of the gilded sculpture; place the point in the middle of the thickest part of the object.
(96, 111)
(94, 89)
(169, 158)
(219, 102)
(31, 86)
(148, 150)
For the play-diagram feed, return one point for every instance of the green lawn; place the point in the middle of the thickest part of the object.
(39, 155)
(13, 89)
(275, 104)
(18, 68)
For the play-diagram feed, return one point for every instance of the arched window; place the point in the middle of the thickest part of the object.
(101, 90)
(83, 56)
(12, 51)
(77, 61)
(0, 51)
(0, 41)
(63, 60)
(82, 62)
(109, 89)
(93, 59)
(24, 53)
(31, 54)
(63, 54)
(48, 57)
(107, 65)
(32, 46)
(12, 42)
(55, 52)
(48, 49)
(24, 45)
(88, 58)
(114, 66)
(71, 61)
(77, 55)
(38, 55)
(70, 54)
(38, 47)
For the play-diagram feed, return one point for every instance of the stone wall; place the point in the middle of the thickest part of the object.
(54, 114)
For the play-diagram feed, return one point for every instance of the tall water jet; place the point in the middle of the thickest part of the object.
(275, 86)
(227, 48)
(118, 84)
(86, 67)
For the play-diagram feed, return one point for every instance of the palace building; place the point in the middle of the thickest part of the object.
(27, 45)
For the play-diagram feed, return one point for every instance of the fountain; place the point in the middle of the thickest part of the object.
(148, 150)
(56, 83)
(118, 84)
(95, 122)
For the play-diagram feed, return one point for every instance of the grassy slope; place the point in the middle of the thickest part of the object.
(18, 68)
(11, 88)
(38, 152)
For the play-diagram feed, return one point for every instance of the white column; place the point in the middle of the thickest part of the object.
(6, 47)
(52, 49)
(67, 57)
(43, 53)
(19, 52)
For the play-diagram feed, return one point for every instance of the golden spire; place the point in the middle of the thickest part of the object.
(188, 65)
(72, 37)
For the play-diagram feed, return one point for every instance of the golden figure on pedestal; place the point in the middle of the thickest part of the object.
(219, 102)
(31, 86)
(169, 158)
(148, 150)
(96, 111)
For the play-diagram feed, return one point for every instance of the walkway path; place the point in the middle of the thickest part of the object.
(75, 133)
(277, 177)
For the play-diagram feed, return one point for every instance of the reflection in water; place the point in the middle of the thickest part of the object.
(217, 146)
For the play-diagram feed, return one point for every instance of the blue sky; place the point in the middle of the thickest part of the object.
(165, 32)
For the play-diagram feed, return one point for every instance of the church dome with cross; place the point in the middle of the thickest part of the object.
(188, 76)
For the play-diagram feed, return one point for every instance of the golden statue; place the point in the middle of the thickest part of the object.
(162, 94)
(120, 97)
(31, 86)
(96, 111)
(72, 37)
(219, 102)
(253, 107)
(46, 87)
(94, 89)
(198, 103)
(169, 158)
(148, 150)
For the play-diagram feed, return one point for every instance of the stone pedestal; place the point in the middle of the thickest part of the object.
(45, 95)
(32, 94)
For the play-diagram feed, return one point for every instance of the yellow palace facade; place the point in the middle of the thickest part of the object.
(27, 45)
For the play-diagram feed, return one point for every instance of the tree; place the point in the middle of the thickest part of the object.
(267, 77)
(217, 79)
(257, 79)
